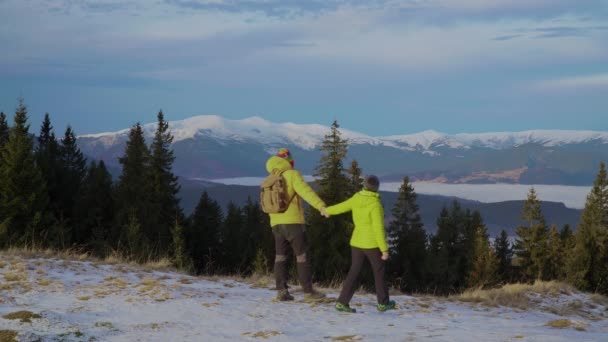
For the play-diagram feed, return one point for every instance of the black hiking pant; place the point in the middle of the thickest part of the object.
(294, 235)
(358, 255)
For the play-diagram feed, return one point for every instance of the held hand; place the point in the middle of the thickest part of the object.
(323, 212)
(384, 256)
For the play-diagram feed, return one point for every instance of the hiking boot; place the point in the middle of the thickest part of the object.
(313, 296)
(284, 296)
(344, 308)
(388, 306)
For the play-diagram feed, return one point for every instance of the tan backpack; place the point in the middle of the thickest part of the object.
(273, 194)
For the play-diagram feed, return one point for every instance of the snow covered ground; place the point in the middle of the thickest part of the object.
(92, 301)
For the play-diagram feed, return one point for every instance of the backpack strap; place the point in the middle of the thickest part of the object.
(280, 173)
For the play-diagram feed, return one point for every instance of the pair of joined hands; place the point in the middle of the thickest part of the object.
(323, 212)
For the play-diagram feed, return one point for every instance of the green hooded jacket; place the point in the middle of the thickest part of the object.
(296, 185)
(368, 216)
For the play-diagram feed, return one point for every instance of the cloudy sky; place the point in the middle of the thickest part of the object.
(380, 67)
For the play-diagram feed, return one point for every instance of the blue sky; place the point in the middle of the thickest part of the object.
(381, 67)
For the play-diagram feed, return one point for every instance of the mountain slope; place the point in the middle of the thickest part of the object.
(89, 300)
(214, 147)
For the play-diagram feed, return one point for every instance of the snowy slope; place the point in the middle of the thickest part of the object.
(308, 137)
(84, 300)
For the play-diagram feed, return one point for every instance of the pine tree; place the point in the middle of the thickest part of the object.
(164, 183)
(504, 254)
(47, 156)
(178, 248)
(555, 255)
(330, 237)
(484, 264)
(204, 235)
(4, 132)
(588, 262)
(230, 239)
(95, 210)
(408, 239)
(256, 236)
(531, 242)
(134, 195)
(354, 175)
(446, 252)
(23, 198)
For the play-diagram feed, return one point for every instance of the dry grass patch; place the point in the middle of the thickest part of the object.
(262, 334)
(44, 282)
(107, 325)
(347, 338)
(186, 281)
(23, 316)
(8, 336)
(514, 295)
(15, 277)
(2, 264)
(566, 323)
(599, 299)
(83, 298)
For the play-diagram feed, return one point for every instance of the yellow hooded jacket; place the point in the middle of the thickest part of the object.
(368, 216)
(296, 185)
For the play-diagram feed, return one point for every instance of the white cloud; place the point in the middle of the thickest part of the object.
(597, 81)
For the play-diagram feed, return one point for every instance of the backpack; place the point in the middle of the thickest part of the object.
(273, 194)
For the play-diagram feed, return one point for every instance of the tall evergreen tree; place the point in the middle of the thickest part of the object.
(355, 177)
(446, 252)
(531, 242)
(134, 196)
(588, 261)
(4, 131)
(47, 156)
(95, 210)
(72, 170)
(204, 235)
(181, 259)
(23, 198)
(484, 263)
(164, 182)
(330, 237)
(504, 253)
(555, 255)
(408, 239)
(231, 240)
(256, 236)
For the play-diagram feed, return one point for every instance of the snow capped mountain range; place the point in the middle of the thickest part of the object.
(309, 136)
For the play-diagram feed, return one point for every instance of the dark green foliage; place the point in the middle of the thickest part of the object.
(164, 183)
(355, 177)
(23, 196)
(330, 237)
(180, 258)
(504, 254)
(484, 263)
(136, 208)
(203, 235)
(4, 130)
(407, 240)
(531, 243)
(588, 259)
(556, 257)
(95, 210)
(256, 236)
(446, 252)
(231, 241)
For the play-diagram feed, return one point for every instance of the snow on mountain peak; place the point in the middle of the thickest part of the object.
(309, 136)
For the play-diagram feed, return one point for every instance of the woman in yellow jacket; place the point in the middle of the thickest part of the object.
(368, 241)
(288, 227)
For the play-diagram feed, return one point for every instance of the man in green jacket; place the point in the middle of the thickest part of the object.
(288, 227)
(368, 241)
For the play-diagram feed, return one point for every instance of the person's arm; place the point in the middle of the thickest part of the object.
(341, 208)
(305, 191)
(378, 227)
